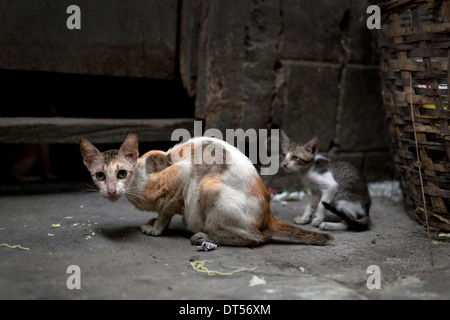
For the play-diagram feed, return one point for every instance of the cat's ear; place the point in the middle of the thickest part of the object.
(89, 152)
(312, 146)
(285, 140)
(129, 148)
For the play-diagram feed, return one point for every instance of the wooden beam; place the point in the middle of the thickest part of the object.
(70, 130)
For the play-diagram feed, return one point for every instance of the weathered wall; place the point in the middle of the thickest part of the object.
(309, 67)
(132, 38)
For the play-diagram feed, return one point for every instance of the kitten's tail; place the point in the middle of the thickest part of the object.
(354, 224)
(287, 232)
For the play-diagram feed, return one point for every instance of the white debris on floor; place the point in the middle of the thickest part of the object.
(256, 281)
(388, 189)
(289, 196)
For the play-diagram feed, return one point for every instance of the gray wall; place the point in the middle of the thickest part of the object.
(309, 67)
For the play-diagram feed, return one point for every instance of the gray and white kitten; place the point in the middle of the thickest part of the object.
(335, 186)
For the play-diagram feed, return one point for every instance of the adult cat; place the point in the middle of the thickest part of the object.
(211, 183)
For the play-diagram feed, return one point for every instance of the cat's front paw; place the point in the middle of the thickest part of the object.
(148, 229)
(302, 220)
(199, 238)
(324, 226)
(316, 222)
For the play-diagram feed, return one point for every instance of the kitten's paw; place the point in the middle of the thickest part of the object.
(199, 238)
(324, 226)
(333, 226)
(316, 222)
(301, 220)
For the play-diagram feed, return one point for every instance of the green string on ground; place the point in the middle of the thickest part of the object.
(200, 267)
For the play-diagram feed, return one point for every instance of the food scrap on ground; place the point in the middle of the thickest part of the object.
(14, 247)
(200, 267)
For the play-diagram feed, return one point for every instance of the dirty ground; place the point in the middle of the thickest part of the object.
(116, 261)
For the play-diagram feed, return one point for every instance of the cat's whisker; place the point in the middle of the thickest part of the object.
(135, 190)
(90, 187)
(132, 198)
(89, 191)
(134, 193)
(90, 194)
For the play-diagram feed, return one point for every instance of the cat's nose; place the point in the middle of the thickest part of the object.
(284, 164)
(111, 192)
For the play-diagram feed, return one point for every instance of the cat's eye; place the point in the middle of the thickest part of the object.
(100, 176)
(122, 174)
(295, 158)
(284, 155)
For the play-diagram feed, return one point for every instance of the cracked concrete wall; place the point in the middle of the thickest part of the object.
(309, 67)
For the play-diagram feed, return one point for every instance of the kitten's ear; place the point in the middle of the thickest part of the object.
(285, 140)
(89, 152)
(312, 146)
(129, 148)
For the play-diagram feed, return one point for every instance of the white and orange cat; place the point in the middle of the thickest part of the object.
(223, 202)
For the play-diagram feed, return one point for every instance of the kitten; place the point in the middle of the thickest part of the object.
(224, 202)
(335, 186)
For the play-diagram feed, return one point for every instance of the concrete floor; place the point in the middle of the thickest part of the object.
(116, 261)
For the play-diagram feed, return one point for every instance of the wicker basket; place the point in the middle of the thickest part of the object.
(415, 51)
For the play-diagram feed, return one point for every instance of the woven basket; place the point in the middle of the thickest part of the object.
(414, 43)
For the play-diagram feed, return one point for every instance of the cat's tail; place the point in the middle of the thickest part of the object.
(286, 232)
(354, 224)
